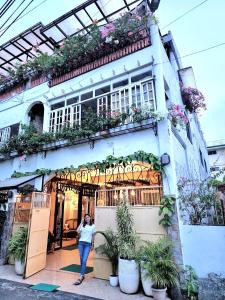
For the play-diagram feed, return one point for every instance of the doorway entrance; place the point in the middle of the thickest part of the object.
(69, 205)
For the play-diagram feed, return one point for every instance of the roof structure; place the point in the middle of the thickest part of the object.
(15, 182)
(22, 47)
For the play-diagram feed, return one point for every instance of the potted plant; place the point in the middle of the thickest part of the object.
(159, 267)
(127, 238)
(17, 249)
(110, 250)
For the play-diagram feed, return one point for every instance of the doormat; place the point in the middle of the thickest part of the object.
(70, 247)
(45, 287)
(76, 269)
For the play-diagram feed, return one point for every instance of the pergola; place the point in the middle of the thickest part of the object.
(23, 47)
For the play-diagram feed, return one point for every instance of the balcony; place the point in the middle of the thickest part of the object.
(79, 54)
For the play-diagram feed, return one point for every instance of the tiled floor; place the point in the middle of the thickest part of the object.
(90, 287)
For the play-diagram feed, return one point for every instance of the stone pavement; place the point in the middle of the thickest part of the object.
(91, 287)
(10, 290)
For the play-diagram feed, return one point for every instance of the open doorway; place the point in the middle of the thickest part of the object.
(69, 204)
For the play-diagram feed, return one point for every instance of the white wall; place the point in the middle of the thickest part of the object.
(76, 155)
(204, 248)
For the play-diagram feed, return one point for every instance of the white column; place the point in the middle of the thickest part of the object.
(46, 117)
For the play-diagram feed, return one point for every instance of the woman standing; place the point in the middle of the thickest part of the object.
(86, 230)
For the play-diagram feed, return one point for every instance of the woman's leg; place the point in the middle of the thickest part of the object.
(86, 251)
(81, 251)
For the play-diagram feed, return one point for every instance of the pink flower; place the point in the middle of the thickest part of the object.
(107, 29)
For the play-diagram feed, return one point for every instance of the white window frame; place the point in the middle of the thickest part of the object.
(103, 101)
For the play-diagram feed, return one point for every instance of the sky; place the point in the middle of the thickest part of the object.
(202, 28)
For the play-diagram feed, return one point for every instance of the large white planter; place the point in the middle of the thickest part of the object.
(146, 283)
(159, 294)
(19, 267)
(129, 276)
(113, 280)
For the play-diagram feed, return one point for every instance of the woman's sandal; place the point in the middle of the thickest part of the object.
(79, 281)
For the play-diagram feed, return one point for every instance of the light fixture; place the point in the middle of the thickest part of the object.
(165, 159)
(132, 193)
(115, 196)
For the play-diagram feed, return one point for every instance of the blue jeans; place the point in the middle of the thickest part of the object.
(84, 249)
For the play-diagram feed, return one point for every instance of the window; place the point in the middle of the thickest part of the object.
(5, 134)
(72, 101)
(120, 101)
(212, 152)
(120, 83)
(142, 95)
(141, 76)
(58, 105)
(139, 94)
(67, 117)
(87, 95)
(103, 90)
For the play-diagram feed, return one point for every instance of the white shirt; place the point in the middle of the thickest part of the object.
(86, 233)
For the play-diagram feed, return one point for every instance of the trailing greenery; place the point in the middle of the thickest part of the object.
(110, 248)
(30, 141)
(79, 49)
(127, 237)
(17, 244)
(110, 162)
(190, 285)
(167, 210)
(158, 264)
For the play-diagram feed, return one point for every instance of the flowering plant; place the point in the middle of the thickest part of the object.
(177, 115)
(80, 49)
(139, 114)
(193, 99)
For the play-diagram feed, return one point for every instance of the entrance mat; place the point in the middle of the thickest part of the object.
(70, 247)
(45, 287)
(76, 269)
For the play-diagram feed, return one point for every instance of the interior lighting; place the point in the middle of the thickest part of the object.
(132, 193)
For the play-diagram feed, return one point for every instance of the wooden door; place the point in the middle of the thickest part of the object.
(37, 234)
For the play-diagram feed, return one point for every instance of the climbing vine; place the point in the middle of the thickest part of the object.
(110, 162)
(167, 210)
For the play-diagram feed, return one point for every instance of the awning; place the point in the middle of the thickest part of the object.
(13, 183)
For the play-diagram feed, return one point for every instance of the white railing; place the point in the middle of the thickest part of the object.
(136, 196)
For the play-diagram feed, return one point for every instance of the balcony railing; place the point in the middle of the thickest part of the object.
(136, 196)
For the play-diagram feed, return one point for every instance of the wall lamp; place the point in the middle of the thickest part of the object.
(165, 159)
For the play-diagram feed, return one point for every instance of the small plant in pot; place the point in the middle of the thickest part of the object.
(160, 268)
(127, 239)
(110, 250)
(17, 249)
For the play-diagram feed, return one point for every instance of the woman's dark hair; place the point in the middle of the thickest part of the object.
(85, 223)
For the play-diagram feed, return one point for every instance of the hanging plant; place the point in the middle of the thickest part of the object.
(177, 116)
(193, 99)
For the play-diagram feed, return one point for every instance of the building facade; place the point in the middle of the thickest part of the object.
(135, 86)
(216, 153)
